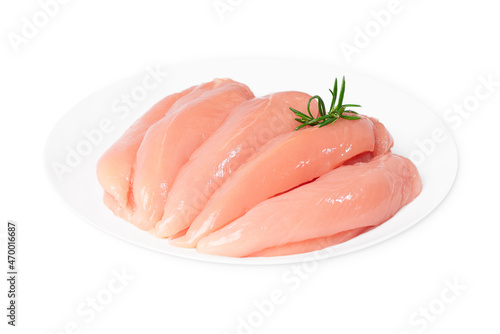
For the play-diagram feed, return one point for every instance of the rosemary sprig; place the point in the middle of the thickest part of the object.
(336, 111)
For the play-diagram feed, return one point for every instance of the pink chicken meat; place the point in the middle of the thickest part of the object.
(311, 244)
(252, 124)
(284, 163)
(115, 167)
(347, 198)
(169, 143)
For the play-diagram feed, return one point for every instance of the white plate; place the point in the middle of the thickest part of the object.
(409, 121)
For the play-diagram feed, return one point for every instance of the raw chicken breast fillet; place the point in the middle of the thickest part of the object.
(347, 198)
(284, 163)
(311, 244)
(115, 167)
(252, 124)
(167, 145)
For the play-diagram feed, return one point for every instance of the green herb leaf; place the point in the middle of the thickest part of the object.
(352, 118)
(336, 111)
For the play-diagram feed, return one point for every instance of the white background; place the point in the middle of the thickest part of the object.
(434, 50)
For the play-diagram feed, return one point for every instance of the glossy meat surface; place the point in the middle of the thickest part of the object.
(251, 125)
(285, 163)
(347, 198)
(166, 145)
(115, 167)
